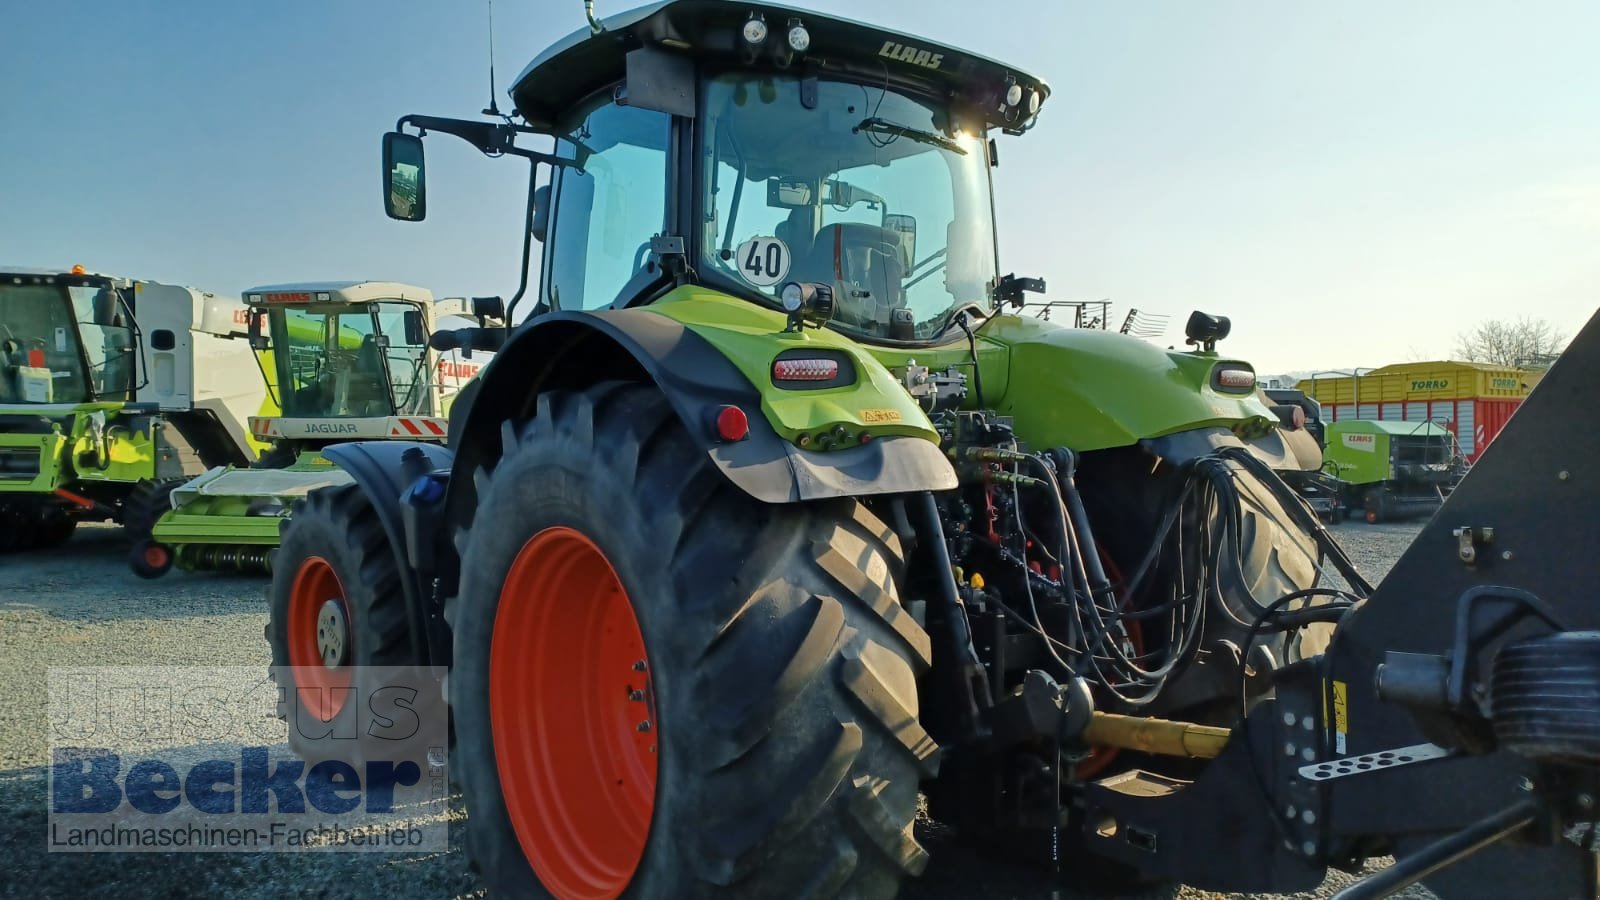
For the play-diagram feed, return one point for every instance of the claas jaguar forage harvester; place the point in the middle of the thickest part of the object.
(771, 515)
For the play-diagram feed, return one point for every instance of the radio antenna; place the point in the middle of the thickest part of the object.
(493, 110)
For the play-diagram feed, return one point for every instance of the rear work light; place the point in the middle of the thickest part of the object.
(805, 369)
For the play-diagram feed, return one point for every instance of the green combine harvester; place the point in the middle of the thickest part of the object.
(112, 391)
(344, 361)
(1392, 470)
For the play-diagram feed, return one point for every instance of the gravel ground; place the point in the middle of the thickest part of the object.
(80, 606)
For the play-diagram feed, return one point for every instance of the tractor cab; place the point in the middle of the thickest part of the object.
(346, 359)
(65, 338)
(775, 155)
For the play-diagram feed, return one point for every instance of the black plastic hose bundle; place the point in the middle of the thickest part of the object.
(1099, 619)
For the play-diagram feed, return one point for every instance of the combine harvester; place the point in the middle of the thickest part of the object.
(777, 515)
(345, 361)
(112, 390)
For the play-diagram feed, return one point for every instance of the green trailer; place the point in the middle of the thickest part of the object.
(1392, 469)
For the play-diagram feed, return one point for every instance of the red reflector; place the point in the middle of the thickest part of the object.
(1236, 378)
(805, 370)
(732, 424)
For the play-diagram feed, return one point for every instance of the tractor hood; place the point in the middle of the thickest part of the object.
(1091, 390)
(713, 30)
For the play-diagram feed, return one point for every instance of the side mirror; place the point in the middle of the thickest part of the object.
(906, 227)
(405, 188)
(258, 341)
(416, 330)
(541, 213)
(487, 308)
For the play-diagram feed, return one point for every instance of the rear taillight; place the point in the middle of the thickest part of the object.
(1236, 379)
(805, 369)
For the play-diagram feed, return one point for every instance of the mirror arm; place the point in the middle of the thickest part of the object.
(491, 138)
(527, 241)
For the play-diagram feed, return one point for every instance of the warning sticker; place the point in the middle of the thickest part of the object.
(1341, 715)
(880, 416)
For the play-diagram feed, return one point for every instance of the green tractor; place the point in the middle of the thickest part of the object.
(1392, 470)
(345, 361)
(111, 391)
(774, 517)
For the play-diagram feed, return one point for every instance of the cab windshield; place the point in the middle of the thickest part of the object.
(64, 343)
(879, 194)
(343, 360)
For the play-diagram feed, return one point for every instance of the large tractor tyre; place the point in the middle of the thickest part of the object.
(16, 529)
(56, 527)
(335, 611)
(663, 688)
(145, 505)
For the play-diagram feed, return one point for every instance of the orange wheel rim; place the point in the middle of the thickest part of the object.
(156, 556)
(573, 716)
(323, 679)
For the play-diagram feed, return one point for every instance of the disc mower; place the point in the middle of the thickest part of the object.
(772, 517)
(344, 361)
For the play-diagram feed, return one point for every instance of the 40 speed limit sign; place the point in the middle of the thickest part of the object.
(762, 261)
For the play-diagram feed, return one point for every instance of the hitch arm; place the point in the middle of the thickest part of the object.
(1442, 853)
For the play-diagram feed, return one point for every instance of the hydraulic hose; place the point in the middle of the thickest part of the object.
(974, 678)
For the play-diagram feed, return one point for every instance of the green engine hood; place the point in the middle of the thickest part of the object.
(1092, 390)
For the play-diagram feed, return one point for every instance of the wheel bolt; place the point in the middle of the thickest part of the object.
(645, 725)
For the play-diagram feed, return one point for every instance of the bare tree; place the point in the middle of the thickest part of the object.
(1510, 342)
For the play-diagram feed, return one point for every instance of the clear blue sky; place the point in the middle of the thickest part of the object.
(1352, 182)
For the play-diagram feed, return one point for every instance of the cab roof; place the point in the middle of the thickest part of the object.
(583, 62)
(340, 292)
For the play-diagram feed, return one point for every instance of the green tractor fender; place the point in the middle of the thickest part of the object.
(694, 370)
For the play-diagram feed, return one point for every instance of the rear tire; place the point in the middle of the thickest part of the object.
(333, 562)
(145, 505)
(779, 678)
(56, 527)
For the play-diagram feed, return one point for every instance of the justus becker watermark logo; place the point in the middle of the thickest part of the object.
(180, 758)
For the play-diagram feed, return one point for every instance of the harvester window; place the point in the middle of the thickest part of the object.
(107, 340)
(55, 349)
(608, 206)
(348, 361)
(407, 364)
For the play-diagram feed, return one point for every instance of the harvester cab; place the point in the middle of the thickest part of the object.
(773, 514)
(344, 361)
(109, 388)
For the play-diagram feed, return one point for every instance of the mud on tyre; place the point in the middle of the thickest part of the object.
(746, 713)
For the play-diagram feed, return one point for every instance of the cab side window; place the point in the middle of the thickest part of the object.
(608, 205)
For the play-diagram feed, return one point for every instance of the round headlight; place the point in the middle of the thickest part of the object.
(755, 31)
(1034, 99)
(1014, 95)
(792, 297)
(799, 39)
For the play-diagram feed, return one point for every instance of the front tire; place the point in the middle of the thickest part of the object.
(665, 688)
(336, 612)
